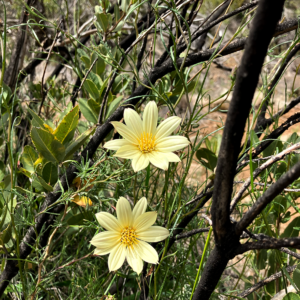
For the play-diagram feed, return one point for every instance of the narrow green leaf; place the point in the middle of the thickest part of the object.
(99, 66)
(86, 61)
(113, 106)
(28, 158)
(50, 174)
(91, 88)
(47, 145)
(90, 109)
(39, 183)
(36, 120)
(290, 231)
(78, 143)
(67, 125)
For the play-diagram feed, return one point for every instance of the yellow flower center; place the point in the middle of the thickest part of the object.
(128, 236)
(147, 142)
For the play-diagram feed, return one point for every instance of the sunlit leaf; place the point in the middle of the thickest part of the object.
(28, 158)
(47, 145)
(67, 125)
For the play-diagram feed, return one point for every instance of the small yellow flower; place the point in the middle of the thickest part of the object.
(126, 236)
(144, 142)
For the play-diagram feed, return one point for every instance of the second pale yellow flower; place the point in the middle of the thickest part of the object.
(146, 143)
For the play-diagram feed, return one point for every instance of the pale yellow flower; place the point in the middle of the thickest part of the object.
(126, 236)
(144, 142)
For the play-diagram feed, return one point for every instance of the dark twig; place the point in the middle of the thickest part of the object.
(268, 244)
(142, 50)
(283, 111)
(256, 48)
(265, 281)
(260, 125)
(11, 74)
(275, 189)
(83, 80)
(271, 137)
(47, 60)
(268, 184)
(258, 170)
(191, 233)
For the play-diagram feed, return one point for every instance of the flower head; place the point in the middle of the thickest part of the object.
(126, 236)
(144, 142)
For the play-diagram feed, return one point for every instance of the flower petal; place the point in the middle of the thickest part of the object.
(116, 144)
(139, 208)
(124, 212)
(117, 257)
(108, 221)
(134, 260)
(102, 251)
(133, 121)
(172, 143)
(159, 160)
(144, 221)
(154, 234)
(125, 132)
(146, 252)
(128, 152)
(150, 118)
(140, 162)
(106, 239)
(166, 127)
(171, 157)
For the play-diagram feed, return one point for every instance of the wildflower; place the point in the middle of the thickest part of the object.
(144, 142)
(126, 235)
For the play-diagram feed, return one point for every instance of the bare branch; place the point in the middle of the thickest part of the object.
(257, 171)
(275, 189)
(260, 284)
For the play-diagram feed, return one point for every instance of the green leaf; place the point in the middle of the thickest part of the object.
(28, 158)
(280, 204)
(50, 174)
(6, 93)
(47, 145)
(296, 276)
(254, 139)
(81, 52)
(291, 296)
(104, 20)
(97, 80)
(36, 120)
(78, 219)
(39, 183)
(86, 60)
(91, 88)
(113, 106)
(207, 158)
(6, 233)
(290, 231)
(67, 125)
(99, 66)
(90, 109)
(179, 87)
(78, 143)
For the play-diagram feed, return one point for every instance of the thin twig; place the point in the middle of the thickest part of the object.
(191, 233)
(268, 184)
(46, 254)
(46, 63)
(83, 80)
(257, 171)
(263, 282)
